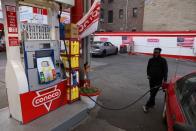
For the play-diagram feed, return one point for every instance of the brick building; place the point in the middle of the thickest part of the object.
(169, 15)
(114, 18)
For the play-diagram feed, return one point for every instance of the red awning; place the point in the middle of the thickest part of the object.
(162, 33)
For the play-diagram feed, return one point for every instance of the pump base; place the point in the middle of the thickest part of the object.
(61, 119)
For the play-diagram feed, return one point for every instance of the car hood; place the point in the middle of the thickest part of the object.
(175, 78)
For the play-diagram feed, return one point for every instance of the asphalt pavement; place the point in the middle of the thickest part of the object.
(3, 95)
(122, 79)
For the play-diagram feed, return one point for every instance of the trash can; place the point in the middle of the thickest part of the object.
(123, 48)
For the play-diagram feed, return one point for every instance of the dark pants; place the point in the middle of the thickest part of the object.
(155, 84)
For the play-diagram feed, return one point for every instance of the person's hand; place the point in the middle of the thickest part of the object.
(165, 85)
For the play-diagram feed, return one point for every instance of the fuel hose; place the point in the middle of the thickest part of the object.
(2, 82)
(126, 106)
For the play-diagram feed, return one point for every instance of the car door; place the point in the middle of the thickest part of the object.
(107, 48)
(186, 92)
(112, 48)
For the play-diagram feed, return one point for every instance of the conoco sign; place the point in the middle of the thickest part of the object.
(93, 16)
(37, 103)
(46, 99)
(89, 23)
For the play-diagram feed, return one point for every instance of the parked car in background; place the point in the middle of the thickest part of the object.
(123, 48)
(2, 48)
(2, 43)
(103, 49)
(180, 103)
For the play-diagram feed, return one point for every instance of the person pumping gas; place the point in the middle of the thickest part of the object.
(157, 71)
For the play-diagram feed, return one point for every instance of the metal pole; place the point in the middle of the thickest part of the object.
(126, 15)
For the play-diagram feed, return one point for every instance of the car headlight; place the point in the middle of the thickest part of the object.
(97, 49)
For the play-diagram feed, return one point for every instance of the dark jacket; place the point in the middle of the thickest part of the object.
(157, 68)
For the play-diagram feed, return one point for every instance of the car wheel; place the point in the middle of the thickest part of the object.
(116, 53)
(104, 54)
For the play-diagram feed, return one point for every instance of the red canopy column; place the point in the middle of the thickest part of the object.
(77, 11)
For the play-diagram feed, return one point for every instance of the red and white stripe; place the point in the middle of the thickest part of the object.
(89, 23)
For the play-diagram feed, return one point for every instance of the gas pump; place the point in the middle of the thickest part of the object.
(41, 57)
(35, 86)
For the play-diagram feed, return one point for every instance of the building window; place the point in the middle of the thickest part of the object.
(134, 29)
(121, 13)
(110, 16)
(110, 1)
(135, 12)
(102, 13)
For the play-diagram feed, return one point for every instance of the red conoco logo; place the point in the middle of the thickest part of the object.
(93, 16)
(45, 98)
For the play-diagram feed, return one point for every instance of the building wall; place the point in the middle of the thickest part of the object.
(169, 15)
(146, 42)
(119, 24)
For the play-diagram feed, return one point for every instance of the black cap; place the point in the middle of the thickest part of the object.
(157, 49)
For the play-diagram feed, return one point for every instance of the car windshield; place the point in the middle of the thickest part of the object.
(190, 108)
(98, 43)
(186, 91)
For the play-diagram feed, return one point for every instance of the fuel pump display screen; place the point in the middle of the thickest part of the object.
(45, 46)
(46, 70)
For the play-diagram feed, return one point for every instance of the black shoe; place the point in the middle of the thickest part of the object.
(145, 109)
(152, 107)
